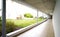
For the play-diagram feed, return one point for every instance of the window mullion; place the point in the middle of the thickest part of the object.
(4, 18)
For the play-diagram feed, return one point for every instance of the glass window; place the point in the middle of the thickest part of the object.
(0, 7)
(0, 17)
(19, 16)
(0, 4)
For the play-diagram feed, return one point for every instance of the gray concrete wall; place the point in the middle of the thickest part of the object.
(56, 19)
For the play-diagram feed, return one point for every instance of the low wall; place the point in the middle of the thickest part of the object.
(17, 32)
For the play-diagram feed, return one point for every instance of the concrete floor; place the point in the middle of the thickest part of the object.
(43, 30)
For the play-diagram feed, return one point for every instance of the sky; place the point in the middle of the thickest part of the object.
(14, 10)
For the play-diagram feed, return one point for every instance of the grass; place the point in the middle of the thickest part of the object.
(24, 23)
(12, 25)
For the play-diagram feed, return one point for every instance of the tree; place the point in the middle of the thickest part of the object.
(28, 15)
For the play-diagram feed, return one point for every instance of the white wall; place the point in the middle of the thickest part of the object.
(56, 19)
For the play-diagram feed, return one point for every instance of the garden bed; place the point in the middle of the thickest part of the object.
(13, 24)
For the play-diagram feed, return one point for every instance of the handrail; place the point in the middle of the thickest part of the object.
(23, 29)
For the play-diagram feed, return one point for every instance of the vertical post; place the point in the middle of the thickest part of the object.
(3, 18)
(37, 15)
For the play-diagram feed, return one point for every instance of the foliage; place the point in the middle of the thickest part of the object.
(41, 17)
(12, 24)
(24, 23)
(28, 15)
(9, 27)
(0, 26)
(0, 18)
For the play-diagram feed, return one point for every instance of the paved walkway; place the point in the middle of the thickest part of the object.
(43, 30)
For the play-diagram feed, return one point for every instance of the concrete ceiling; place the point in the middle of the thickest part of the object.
(46, 6)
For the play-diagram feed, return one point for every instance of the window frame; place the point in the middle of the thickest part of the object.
(3, 18)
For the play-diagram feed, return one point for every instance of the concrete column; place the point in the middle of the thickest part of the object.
(56, 19)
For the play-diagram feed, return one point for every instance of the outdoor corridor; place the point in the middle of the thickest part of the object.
(43, 30)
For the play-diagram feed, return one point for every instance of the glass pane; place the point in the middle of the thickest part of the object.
(0, 17)
(41, 16)
(0, 23)
(19, 16)
(0, 4)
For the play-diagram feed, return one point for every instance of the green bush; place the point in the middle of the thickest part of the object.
(0, 30)
(41, 17)
(28, 15)
(9, 27)
(0, 18)
(0, 26)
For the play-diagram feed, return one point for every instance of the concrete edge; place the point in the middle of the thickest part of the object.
(14, 33)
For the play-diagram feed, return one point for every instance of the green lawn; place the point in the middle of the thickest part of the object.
(23, 23)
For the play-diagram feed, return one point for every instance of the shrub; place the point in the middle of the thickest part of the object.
(0, 18)
(0, 26)
(41, 17)
(9, 27)
(28, 15)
